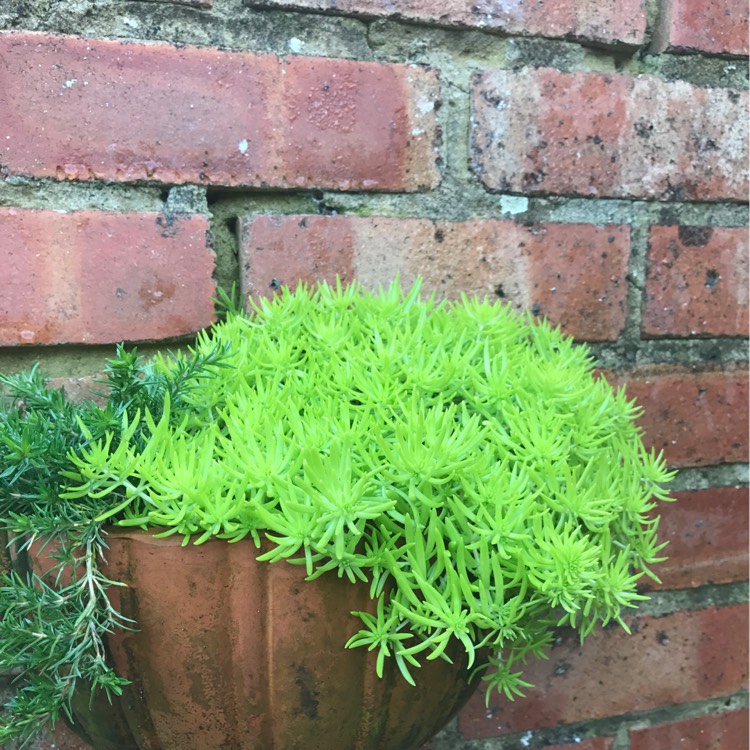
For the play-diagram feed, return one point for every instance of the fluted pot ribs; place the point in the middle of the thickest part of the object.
(233, 653)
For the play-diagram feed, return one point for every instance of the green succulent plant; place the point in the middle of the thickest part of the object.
(464, 462)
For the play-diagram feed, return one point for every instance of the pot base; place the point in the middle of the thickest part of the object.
(235, 653)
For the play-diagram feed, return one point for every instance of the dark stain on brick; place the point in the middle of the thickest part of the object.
(439, 235)
(712, 278)
(308, 698)
(694, 236)
(674, 252)
(561, 667)
(166, 224)
(493, 99)
(677, 192)
(533, 178)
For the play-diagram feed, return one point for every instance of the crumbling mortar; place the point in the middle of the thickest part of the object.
(621, 739)
(27, 192)
(603, 61)
(459, 196)
(450, 201)
(698, 70)
(705, 354)
(454, 121)
(653, 19)
(663, 603)
(186, 199)
(636, 274)
(707, 477)
(229, 25)
(397, 42)
(691, 351)
(65, 360)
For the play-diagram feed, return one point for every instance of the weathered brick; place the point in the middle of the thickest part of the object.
(596, 134)
(63, 739)
(712, 26)
(284, 250)
(682, 657)
(595, 743)
(88, 109)
(696, 282)
(697, 418)
(607, 22)
(572, 273)
(95, 277)
(715, 732)
(707, 532)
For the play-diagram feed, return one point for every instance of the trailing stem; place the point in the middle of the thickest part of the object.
(51, 633)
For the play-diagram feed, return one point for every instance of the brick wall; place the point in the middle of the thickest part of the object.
(587, 161)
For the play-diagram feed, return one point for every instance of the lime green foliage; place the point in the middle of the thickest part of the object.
(464, 462)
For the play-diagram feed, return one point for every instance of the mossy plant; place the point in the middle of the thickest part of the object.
(464, 462)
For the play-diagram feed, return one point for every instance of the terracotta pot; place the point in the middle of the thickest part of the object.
(236, 653)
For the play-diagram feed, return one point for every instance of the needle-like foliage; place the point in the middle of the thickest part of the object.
(53, 628)
(464, 462)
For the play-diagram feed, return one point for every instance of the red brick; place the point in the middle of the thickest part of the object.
(717, 732)
(575, 273)
(596, 743)
(697, 282)
(607, 22)
(88, 109)
(95, 277)
(679, 658)
(696, 418)
(284, 250)
(63, 739)
(595, 134)
(707, 532)
(712, 26)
